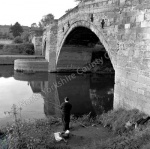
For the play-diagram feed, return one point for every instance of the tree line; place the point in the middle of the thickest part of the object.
(17, 30)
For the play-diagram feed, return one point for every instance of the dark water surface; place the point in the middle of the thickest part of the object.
(40, 95)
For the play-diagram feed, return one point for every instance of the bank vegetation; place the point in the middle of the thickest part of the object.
(40, 133)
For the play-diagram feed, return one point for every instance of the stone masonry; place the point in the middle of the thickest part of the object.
(126, 38)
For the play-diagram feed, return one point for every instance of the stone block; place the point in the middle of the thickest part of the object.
(140, 18)
(132, 76)
(143, 36)
(138, 24)
(144, 24)
(119, 36)
(121, 26)
(132, 19)
(147, 16)
(135, 2)
(127, 26)
(145, 73)
(122, 61)
(120, 72)
(140, 91)
(131, 85)
(146, 62)
(136, 54)
(146, 54)
(147, 44)
(144, 80)
(147, 92)
(142, 67)
(147, 48)
(122, 1)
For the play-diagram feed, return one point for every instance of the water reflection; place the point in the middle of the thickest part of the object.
(6, 71)
(87, 93)
(41, 94)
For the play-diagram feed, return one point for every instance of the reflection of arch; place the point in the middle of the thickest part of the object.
(90, 26)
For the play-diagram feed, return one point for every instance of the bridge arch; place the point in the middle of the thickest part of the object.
(125, 37)
(94, 29)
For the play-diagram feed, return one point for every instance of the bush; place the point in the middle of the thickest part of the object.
(24, 48)
(28, 48)
(18, 39)
(25, 36)
(130, 139)
(35, 135)
(117, 119)
(1, 46)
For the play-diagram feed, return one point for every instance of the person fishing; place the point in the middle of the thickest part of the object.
(66, 108)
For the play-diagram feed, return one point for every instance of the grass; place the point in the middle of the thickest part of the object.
(39, 134)
(17, 49)
(124, 138)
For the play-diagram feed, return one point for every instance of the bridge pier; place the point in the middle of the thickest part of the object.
(51, 47)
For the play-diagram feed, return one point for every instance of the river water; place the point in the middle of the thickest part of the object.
(40, 95)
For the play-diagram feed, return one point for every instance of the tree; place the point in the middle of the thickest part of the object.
(81, 1)
(40, 25)
(68, 10)
(25, 36)
(16, 29)
(18, 39)
(46, 20)
(34, 25)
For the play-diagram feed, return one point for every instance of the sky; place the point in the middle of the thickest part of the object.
(27, 12)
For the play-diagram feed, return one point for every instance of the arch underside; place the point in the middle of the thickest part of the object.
(81, 46)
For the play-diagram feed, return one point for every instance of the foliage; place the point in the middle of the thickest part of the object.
(134, 140)
(16, 29)
(131, 138)
(28, 48)
(117, 119)
(79, 0)
(68, 10)
(46, 20)
(37, 134)
(84, 120)
(18, 39)
(1, 46)
(24, 49)
(40, 25)
(82, 0)
(25, 36)
(34, 25)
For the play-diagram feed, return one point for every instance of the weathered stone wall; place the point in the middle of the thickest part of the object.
(37, 41)
(72, 58)
(52, 45)
(126, 38)
(31, 65)
(45, 50)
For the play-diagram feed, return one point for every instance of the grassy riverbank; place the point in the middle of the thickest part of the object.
(85, 133)
(17, 49)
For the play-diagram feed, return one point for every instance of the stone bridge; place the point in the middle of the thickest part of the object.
(122, 28)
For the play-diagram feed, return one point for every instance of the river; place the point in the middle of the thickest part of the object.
(39, 95)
